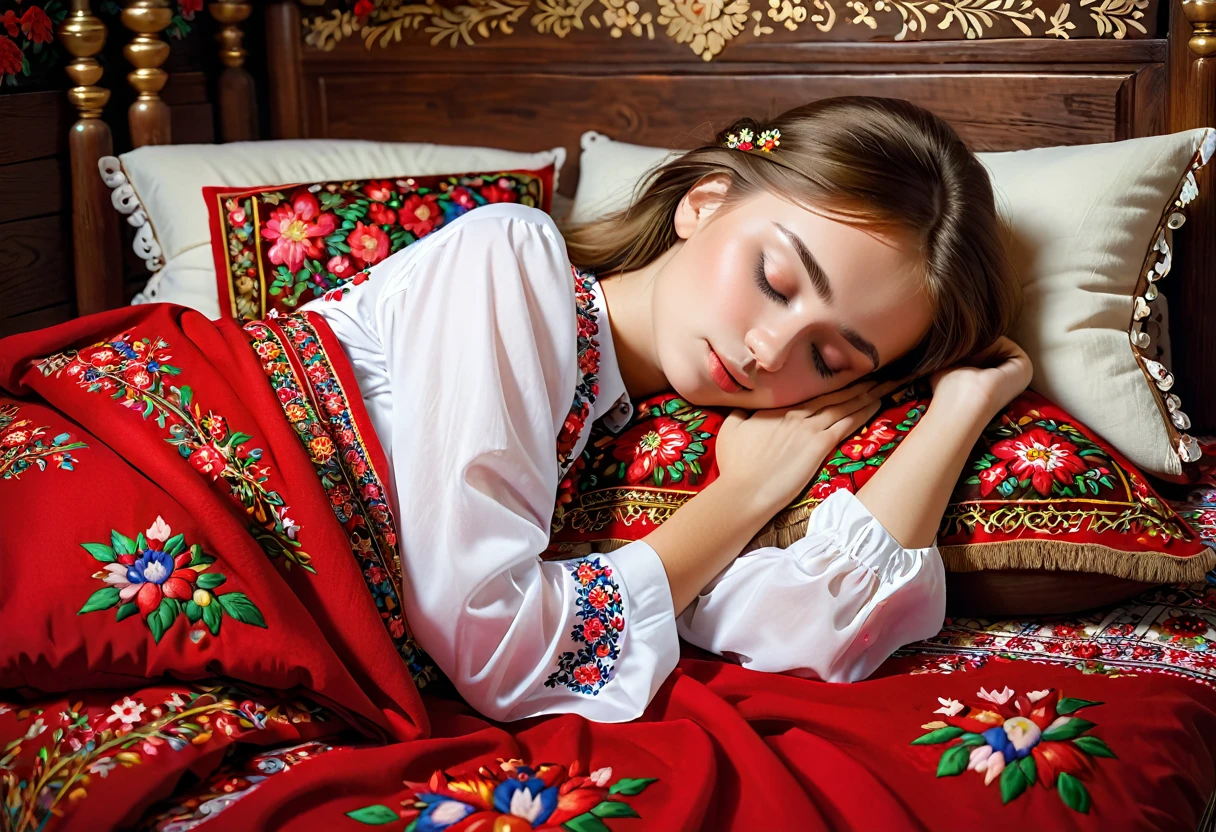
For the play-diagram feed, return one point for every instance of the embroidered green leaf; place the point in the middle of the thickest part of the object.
(210, 580)
(1067, 705)
(375, 815)
(954, 761)
(100, 551)
(940, 735)
(102, 599)
(851, 467)
(213, 616)
(631, 785)
(238, 438)
(141, 542)
(1073, 793)
(973, 480)
(193, 612)
(614, 809)
(973, 739)
(196, 554)
(1074, 727)
(238, 605)
(161, 618)
(585, 823)
(126, 611)
(122, 544)
(1013, 782)
(1094, 745)
(175, 544)
(697, 447)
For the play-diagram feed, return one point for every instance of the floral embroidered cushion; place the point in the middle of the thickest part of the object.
(1040, 491)
(279, 247)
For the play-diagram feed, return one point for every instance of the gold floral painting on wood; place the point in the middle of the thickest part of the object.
(709, 26)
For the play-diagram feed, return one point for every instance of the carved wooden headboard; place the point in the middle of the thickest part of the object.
(533, 74)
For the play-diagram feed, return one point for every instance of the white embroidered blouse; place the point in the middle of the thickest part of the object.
(465, 348)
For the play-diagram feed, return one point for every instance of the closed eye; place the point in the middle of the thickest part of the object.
(765, 286)
(821, 366)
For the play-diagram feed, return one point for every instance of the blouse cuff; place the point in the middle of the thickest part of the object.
(650, 648)
(857, 534)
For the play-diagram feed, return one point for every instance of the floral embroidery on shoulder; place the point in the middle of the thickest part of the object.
(160, 576)
(588, 365)
(22, 446)
(601, 609)
(344, 290)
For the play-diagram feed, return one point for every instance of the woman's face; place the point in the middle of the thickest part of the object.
(766, 304)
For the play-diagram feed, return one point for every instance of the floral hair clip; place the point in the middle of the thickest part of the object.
(745, 139)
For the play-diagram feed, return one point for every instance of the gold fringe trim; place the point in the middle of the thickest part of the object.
(1051, 555)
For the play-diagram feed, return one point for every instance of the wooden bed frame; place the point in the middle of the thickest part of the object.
(533, 74)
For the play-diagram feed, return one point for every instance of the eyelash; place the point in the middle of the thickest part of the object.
(820, 365)
(766, 287)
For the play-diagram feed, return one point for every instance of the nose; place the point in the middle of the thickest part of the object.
(769, 349)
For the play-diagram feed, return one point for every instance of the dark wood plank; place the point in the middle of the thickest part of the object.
(192, 123)
(284, 56)
(1150, 102)
(1190, 288)
(33, 189)
(186, 88)
(35, 264)
(33, 125)
(39, 319)
(993, 111)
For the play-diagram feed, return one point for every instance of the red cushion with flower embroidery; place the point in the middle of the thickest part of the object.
(277, 247)
(1039, 491)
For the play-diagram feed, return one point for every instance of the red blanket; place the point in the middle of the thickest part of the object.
(199, 617)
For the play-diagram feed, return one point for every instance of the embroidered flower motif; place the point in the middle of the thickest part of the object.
(156, 576)
(421, 214)
(544, 796)
(601, 608)
(1185, 625)
(368, 243)
(588, 357)
(1039, 456)
(128, 711)
(1018, 739)
(297, 229)
(24, 446)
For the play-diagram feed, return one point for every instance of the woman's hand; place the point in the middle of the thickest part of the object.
(986, 382)
(773, 454)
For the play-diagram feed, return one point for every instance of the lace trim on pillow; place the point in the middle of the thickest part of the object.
(126, 202)
(1157, 266)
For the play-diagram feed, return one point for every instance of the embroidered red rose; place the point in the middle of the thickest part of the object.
(821, 490)
(368, 243)
(378, 190)
(593, 629)
(11, 22)
(650, 445)
(587, 573)
(586, 674)
(340, 267)
(364, 7)
(138, 377)
(498, 193)
(36, 25)
(464, 198)
(381, 214)
(871, 438)
(420, 214)
(15, 437)
(237, 217)
(599, 597)
(322, 447)
(208, 460)
(1185, 625)
(298, 229)
(1041, 457)
(217, 428)
(11, 59)
(990, 478)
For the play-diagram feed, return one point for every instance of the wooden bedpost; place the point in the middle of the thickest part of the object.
(1192, 93)
(283, 60)
(95, 235)
(237, 102)
(149, 115)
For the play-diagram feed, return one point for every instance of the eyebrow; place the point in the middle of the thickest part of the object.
(819, 278)
(861, 344)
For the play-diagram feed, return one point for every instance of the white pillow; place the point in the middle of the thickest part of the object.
(160, 187)
(1092, 230)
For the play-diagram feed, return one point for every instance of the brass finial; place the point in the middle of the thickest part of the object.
(1202, 16)
(230, 14)
(82, 35)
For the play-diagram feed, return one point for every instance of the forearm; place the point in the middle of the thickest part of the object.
(909, 493)
(704, 536)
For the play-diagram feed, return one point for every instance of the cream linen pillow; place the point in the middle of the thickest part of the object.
(1092, 230)
(159, 188)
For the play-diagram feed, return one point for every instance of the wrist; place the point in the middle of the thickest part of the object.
(751, 504)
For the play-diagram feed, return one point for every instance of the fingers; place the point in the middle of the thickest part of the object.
(847, 426)
(855, 390)
(845, 412)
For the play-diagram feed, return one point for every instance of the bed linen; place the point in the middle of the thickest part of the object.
(225, 649)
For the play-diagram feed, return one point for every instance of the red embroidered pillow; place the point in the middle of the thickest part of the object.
(277, 247)
(1039, 491)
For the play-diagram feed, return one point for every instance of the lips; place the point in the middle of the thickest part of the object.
(720, 375)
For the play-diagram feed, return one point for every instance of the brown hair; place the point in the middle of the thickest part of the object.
(880, 163)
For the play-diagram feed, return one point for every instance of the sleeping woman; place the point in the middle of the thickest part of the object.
(793, 271)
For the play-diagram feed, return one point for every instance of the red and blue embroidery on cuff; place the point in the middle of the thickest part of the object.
(601, 611)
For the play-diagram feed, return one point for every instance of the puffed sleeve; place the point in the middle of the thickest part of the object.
(832, 606)
(481, 354)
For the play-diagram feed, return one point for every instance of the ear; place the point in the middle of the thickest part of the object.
(699, 204)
